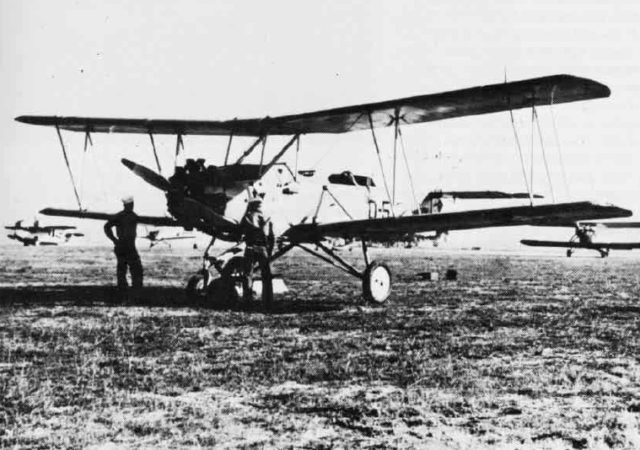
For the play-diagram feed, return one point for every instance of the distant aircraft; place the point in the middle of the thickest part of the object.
(35, 231)
(154, 239)
(197, 195)
(583, 238)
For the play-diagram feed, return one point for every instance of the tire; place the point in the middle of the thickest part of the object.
(376, 283)
(232, 277)
(569, 253)
(197, 288)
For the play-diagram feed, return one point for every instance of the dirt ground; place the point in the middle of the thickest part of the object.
(519, 352)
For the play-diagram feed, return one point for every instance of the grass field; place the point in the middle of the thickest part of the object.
(519, 352)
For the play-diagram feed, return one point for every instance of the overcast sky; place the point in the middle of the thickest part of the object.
(224, 59)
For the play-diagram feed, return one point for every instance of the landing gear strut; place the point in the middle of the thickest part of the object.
(376, 278)
(207, 286)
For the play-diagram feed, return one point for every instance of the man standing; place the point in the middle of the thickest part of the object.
(258, 236)
(126, 222)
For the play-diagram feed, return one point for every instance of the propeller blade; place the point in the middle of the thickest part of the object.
(148, 175)
(194, 208)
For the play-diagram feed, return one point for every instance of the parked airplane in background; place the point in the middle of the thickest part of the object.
(37, 229)
(583, 238)
(154, 238)
(32, 235)
(197, 195)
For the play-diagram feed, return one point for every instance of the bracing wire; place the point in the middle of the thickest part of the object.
(324, 155)
(83, 174)
(384, 177)
(558, 146)
(544, 155)
(406, 162)
(68, 164)
(532, 149)
(522, 166)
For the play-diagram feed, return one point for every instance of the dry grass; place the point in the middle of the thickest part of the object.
(519, 353)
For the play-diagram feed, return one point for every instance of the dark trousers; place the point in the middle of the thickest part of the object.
(128, 257)
(253, 255)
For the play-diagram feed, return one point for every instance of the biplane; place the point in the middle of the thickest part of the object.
(154, 238)
(583, 238)
(30, 234)
(197, 194)
(37, 229)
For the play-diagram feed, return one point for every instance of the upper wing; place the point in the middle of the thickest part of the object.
(423, 108)
(145, 220)
(567, 213)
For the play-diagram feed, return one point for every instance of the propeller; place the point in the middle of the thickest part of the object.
(189, 207)
(148, 175)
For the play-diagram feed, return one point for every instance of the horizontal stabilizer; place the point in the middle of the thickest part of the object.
(493, 98)
(349, 179)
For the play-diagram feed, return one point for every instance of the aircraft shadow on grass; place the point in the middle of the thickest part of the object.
(150, 297)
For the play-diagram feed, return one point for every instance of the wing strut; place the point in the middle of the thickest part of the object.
(384, 178)
(251, 148)
(179, 144)
(406, 162)
(524, 170)
(155, 153)
(87, 140)
(280, 153)
(557, 138)
(338, 203)
(226, 156)
(295, 172)
(264, 144)
(544, 154)
(396, 119)
(326, 189)
(532, 149)
(66, 160)
(315, 215)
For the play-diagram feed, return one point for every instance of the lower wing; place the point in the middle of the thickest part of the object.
(145, 220)
(561, 214)
(191, 214)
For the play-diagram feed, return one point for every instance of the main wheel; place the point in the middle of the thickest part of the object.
(232, 277)
(569, 253)
(197, 288)
(376, 283)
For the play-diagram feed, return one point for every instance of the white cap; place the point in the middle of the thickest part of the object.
(126, 200)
